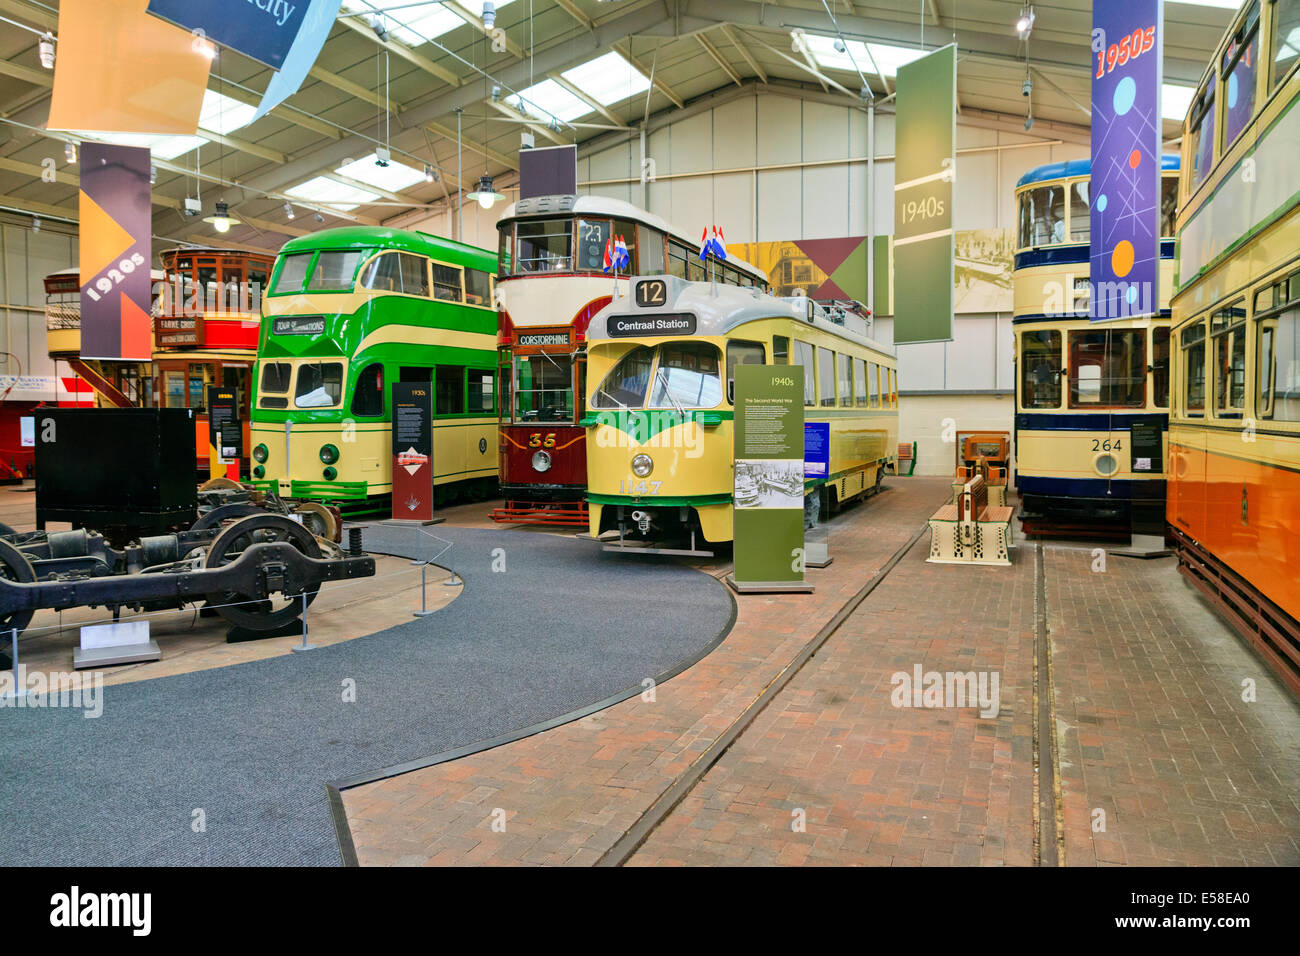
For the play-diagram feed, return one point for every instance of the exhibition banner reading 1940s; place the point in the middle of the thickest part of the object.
(769, 455)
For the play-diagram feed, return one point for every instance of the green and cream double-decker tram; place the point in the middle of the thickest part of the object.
(660, 405)
(349, 312)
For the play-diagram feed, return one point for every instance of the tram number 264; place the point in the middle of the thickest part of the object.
(1099, 444)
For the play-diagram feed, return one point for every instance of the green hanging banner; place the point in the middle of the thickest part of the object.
(926, 134)
(769, 476)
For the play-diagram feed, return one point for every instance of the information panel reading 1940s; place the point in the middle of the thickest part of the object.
(768, 493)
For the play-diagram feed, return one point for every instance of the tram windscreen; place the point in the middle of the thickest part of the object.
(1108, 368)
(543, 388)
(688, 375)
(293, 270)
(1040, 370)
(625, 386)
(334, 271)
(320, 385)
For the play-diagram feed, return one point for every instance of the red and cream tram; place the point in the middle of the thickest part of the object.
(553, 276)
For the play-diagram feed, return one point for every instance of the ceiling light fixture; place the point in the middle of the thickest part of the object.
(45, 49)
(489, 14)
(36, 224)
(222, 220)
(70, 151)
(288, 210)
(1025, 25)
(318, 217)
(382, 156)
(429, 175)
(377, 24)
(486, 195)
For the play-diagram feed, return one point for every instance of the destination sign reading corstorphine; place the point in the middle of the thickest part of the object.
(680, 323)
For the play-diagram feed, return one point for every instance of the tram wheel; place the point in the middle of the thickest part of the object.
(254, 612)
(14, 566)
(318, 519)
(220, 483)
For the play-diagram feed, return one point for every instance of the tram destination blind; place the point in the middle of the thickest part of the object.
(413, 450)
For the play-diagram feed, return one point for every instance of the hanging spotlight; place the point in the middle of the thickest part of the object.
(222, 220)
(288, 210)
(153, 175)
(496, 94)
(36, 224)
(45, 49)
(318, 217)
(381, 31)
(429, 175)
(382, 156)
(1025, 25)
(489, 13)
(554, 125)
(70, 152)
(486, 194)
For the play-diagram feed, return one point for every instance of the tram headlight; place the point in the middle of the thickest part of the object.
(329, 454)
(260, 453)
(259, 472)
(541, 461)
(642, 465)
(330, 473)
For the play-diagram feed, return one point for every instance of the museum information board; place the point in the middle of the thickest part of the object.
(413, 450)
(769, 476)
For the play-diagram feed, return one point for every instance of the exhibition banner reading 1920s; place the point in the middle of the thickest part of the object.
(1127, 37)
(116, 249)
(769, 455)
(923, 179)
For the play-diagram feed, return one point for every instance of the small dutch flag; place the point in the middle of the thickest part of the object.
(621, 257)
(609, 254)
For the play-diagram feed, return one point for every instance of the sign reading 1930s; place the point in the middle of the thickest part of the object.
(923, 169)
(1124, 271)
(413, 450)
(768, 493)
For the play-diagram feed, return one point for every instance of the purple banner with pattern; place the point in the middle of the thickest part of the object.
(1127, 40)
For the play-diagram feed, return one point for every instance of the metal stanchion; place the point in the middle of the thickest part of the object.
(424, 606)
(451, 581)
(304, 646)
(16, 691)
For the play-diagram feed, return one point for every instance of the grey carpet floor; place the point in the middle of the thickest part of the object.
(251, 745)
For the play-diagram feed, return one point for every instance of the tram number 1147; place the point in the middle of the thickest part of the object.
(640, 488)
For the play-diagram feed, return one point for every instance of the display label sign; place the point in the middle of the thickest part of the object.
(677, 323)
(413, 450)
(924, 167)
(1124, 272)
(298, 325)
(769, 478)
(116, 249)
(816, 449)
(223, 410)
(1146, 445)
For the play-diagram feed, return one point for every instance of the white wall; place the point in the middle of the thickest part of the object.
(26, 258)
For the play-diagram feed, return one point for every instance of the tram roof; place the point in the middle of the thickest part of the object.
(382, 237)
(571, 205)
(1080, 167)
(719, 308)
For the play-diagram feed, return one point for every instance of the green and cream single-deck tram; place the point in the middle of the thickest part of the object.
(349, 312)
(660, 403)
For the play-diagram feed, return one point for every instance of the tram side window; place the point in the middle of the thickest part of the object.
(449, 390)
(741, 353)
(678, 256)
(1229, 361)
(1168, 206)
(651, 244)
(1239, 63)
(1202, 133)
(873, 384)
(447, 283)
(544, 246)
(482, 386)
(478, 287)
(1280, 367)
(398, 272)
(1040, 369)
(695, 268)
(320, 385)
(593, 234)
(826, 376)
(846, 379)
(780, 350)
(1286, 39)
(1108, 368)
(505, 244)
(1042, 216)
(1160, 367)
(1080, 224)
(1192, 340)
(627, 232)
(803, 355)
(860, 383)
(256, 287)
(293, 270)
(334, 271)
(368, 396)
(687, 376)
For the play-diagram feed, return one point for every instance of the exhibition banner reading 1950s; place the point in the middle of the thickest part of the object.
(1127, 36)
(769, 455)
(923, 179)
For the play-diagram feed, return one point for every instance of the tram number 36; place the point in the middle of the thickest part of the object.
(1107, 445)
(640, 488)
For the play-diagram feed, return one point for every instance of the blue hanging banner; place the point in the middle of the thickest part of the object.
(316, 26)
(262, 29)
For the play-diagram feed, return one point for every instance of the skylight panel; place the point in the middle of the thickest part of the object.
(868, 56)
(1221, 4)
(608, 79)
(1174, 101)
(394, 177)
(331, 193)
(161, 147)
(416, 24)
(547, 99)
(223, 114)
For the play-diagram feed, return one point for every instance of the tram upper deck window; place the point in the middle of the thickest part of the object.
(625, 385)
(256, 287)
(688, 376)
(398, 272)
(544, 246)
(593, 234)
(478, 287)
(1192, 340)
(1239, 62)
(860, 382)
(651, 246)
(678, 256)
(293, 271)
(825, 376)
(1168, 206)
(447, 283)
(1108, 368)
(1228, 332)
(1201, 136)
(1160, 366)
(543, 388)
(505, 246)
(320, 385)
(1042, 216)
(1080, 223)
(1286, 39)
(335, 271)
(1040, 369)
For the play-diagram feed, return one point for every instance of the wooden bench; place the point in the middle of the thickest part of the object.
(906, 453)
(971, 531)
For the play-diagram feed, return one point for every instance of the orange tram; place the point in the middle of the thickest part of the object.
(1233, 501)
